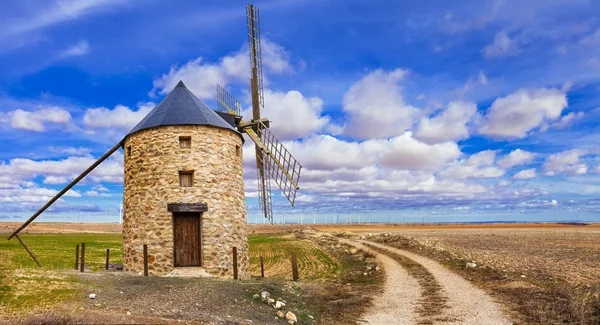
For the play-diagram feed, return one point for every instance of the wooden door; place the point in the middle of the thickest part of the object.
(187, 239)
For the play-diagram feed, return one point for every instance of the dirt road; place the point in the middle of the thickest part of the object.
(421, 291)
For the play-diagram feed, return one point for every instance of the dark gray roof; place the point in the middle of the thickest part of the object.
(181, 107)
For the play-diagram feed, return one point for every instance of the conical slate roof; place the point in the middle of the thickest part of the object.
(181, 107)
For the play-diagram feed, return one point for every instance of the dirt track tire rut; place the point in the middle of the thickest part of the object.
(400, 299)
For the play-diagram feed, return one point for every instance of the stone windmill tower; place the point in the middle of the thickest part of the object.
(184, 189)
(183, 181)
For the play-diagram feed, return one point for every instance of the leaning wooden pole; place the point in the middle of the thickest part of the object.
(64, 190)
(28, 251)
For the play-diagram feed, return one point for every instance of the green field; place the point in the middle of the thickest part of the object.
(23, 284)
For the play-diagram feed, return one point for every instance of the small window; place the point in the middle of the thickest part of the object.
(185, 142)
(129, 150)
(186, 179)
(237, 150)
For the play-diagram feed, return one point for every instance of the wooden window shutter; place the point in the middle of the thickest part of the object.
(186, 179)
(185, 142)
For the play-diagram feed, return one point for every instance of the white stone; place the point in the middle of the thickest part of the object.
(280, 314)
(128, 313)
(291, 317)
(353, 251)
(270, 301)
(264, 295)
(279, 304)
(92, 296)
(471, 265)
(377, 268)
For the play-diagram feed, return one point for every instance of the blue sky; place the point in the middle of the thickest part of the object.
(428, 111)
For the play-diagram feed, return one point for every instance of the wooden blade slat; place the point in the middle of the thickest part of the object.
(282, 166)
(226, 102)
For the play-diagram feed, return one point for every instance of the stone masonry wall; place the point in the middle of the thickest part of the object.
(152, 182)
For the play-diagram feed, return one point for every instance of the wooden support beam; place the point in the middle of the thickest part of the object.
(294, 267)
(28, 251)
(82, 266)
(145, 260)
(64, 190)
(262, 268)
(76, 257)
(235, 264)
(107, 255)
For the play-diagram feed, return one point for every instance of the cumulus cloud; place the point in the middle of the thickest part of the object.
(405, 152)
(293, 115)
(202, 77)
(515, 115)
(502, 45)
(114, 123)
(38, 120)
(516, 157)
(564, 121)
(449, 125)
(376, 108)
(478, 165)
(567, 162)
(525, 174)
(61, 171)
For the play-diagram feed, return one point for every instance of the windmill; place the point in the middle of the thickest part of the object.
(273, 160)
(177, 205)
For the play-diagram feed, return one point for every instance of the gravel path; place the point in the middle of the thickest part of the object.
(468, 304)
(396, 304)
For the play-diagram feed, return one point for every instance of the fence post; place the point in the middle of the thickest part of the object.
(262, 268)
(76, 256)
(145, 260)
(235, 266)
(82, 257)
(107, 255)
(294, 267)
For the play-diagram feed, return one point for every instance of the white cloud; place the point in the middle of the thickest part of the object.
(478, 165)
(451, 124)
(376, 108)
(525, 174)
(39, 120)
(114, 123)
(515, 115)
(472, 83)
(503, 45)
(201, 78)
(79, 49)
(81, 151)
(516, 157)
(56, 12)
(566, 162)
(62, 171)
(564, 121)
(405, 152)
(292, 115)
(55, 180)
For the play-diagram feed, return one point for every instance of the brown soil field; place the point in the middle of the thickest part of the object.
(65, 227)
(61, 228)
(569, 253)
